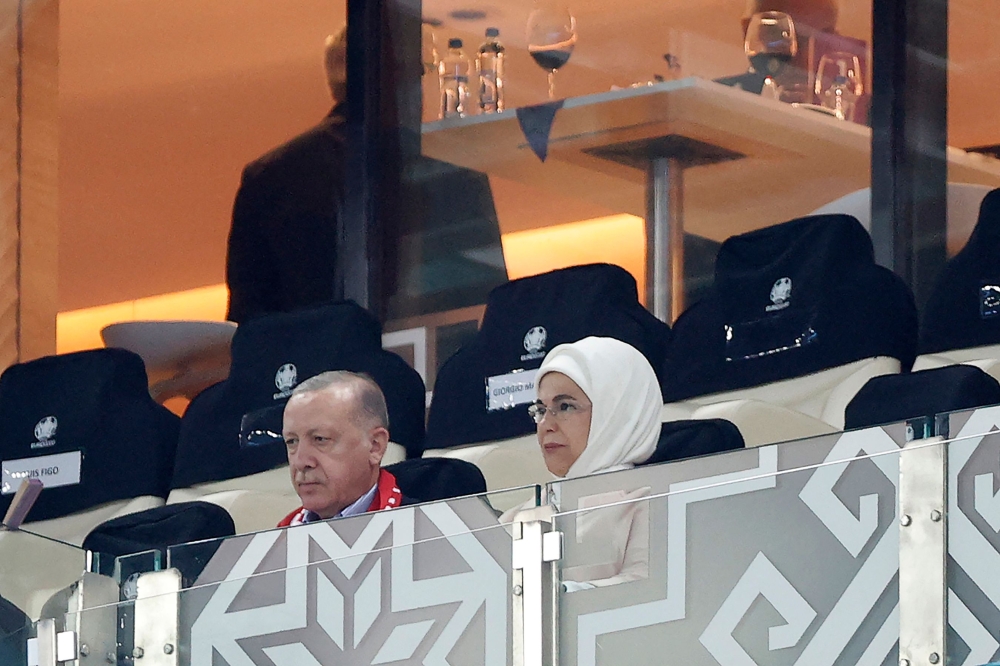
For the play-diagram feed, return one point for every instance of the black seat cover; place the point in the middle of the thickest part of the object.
(525, 319)
(14, 634)
(964, 308)
(433, 479)
(790, 300)
(158, 529)
(96, 402)
(270, 355)
(696, 437)
(894, 398)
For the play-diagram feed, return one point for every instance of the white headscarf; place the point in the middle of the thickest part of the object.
(626, 398)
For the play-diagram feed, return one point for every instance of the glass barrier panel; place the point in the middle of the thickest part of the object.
(33, 568)
(973, 511)
(425, 583)
(782, 554)
(563, 152)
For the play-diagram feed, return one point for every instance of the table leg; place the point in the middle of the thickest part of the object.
(665, 238)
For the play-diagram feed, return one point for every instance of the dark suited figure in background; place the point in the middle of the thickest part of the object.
(282, 242)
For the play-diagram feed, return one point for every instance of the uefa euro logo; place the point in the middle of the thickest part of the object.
(781, 292)
(45, 432)
(286, 377)
(534, 340)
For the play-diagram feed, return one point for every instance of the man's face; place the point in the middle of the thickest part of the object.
(333, 456)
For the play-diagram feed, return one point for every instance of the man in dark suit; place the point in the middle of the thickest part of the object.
(282, 244)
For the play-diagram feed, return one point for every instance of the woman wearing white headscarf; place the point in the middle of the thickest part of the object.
(598, 410)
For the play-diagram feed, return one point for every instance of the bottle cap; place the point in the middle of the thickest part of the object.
(492, 32)
(454, 43)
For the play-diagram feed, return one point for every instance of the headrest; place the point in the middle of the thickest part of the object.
(892, 398)
(478, 394)
(964, 308)
(790, 300)
(273, 351)
(158, 529)
(433, 479)
(690, 438)
(271, 355)
(86, 426)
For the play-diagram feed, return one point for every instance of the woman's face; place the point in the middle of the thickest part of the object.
(565, 427)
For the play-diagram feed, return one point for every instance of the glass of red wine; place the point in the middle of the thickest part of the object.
(770, 45)
(551, 36)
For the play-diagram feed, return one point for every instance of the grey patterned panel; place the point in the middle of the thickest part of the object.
(973, 539)
(750, 567)
(355, 591)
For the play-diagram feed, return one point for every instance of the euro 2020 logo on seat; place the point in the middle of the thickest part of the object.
(286, 377)
(45, 432)
(534, 340)
(781, 294)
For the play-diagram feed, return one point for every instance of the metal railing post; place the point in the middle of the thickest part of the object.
(923, 548)
(536, 550)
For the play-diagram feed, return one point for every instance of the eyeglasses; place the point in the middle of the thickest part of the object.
(560, 410)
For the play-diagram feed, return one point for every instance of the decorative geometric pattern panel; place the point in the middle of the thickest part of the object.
(428, 584)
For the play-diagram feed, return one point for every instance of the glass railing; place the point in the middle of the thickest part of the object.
(34, 567)
(973, 512)
(429, 583)
(829, 550)
(779, 554)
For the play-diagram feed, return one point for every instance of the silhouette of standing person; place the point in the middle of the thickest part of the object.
(283, 239)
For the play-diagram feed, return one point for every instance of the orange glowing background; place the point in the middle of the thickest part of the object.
(616, 239)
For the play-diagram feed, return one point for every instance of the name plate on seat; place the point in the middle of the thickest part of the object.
(58, 469)
(510, 390)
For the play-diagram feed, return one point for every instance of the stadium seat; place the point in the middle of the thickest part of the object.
(961, 322)
(800, 318)
(86, 425)
(894, 398)
(249, 478)
(479, 409)
(687, 439)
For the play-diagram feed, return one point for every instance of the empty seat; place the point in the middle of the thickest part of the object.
(961, 322)
(894, 398)
(157, 529)
(800, 318)
(482, 392)
(690, 438)
(271, 354)
(86, 426)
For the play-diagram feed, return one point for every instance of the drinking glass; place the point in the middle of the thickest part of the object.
(839, 83)
(770, 45)
(551, 36)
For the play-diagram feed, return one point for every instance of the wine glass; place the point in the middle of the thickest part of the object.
(770, 45)
(551, 36)
(839, 83)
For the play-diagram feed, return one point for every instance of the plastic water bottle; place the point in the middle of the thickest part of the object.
(453, 74)
(489, 64)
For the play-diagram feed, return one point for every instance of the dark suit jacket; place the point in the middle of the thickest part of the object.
(282, 243)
